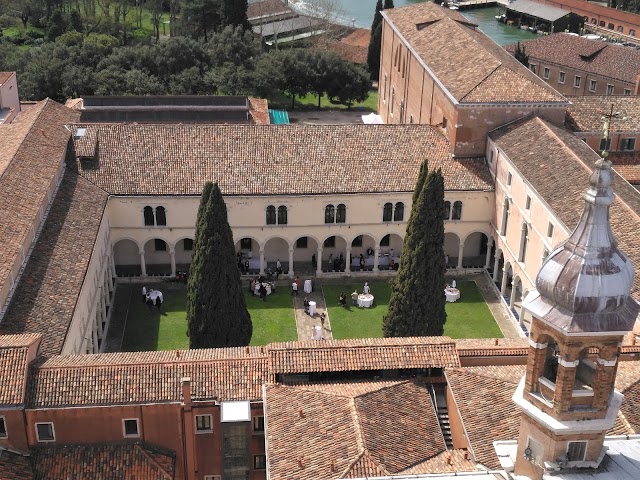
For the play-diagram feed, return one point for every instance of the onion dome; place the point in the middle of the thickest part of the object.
(584, 284)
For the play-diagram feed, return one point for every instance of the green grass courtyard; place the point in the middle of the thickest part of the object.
(273, 320)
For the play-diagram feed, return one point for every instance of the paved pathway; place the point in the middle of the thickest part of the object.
(305, 322)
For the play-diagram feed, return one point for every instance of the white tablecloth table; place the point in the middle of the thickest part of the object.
(307, 286)
(451, 294)
(257, 288)
(316, 332)
(312, 308)
(365, 300)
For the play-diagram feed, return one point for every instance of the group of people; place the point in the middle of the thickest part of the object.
(354, 296)
(152, 297)
(261, 287)
(337, 264)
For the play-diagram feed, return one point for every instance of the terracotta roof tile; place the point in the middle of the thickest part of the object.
(627, 165)
(31, 147)
(439, 34)
(557, 165)
(13, 375)
(481, 347)
(139, 377)
(362, 354)
(273, 159)
(46, 296)
(585, 113)
(105, 461)
(21, 340)
(14, 466)
(628, 382)
(451, 461)
(380, 432)
(266, 8)
(259, 111)
(592, 56)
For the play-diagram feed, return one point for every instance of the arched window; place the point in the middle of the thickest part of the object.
(149, 220)
(456, 213)
(524, 239)
(550, 371)
(282, 215)
(398, 214)
(387, 212)
(447, 210)
(329, 214)
(161, 216)
(585, 372)
(271, 215)
(341, 214)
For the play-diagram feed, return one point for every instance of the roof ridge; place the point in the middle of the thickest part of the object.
(477, 85)
(142, 450)
(360, 440)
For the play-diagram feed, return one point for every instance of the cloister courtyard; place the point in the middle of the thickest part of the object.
(281, 317)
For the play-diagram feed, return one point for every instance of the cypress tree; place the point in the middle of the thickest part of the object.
(216, 311)
(373, 53)
(416, 307)
(388, 4)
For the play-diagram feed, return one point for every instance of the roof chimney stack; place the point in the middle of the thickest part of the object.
(186, 391)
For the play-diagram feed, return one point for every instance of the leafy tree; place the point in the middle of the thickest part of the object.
(233, 45)
(216, 311)
(235, 13)
(521, 55)
(201, 17)
(348, 83)
(56, 26)
(268, 77)
(416, 307)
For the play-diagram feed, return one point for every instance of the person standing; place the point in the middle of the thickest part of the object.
(159, 299)
(144, 294)
(365, 289)
(294, 288)
(263, 292)
(323, 318)
(298, 283)
(354, 297)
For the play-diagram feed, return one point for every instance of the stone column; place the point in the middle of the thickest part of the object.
(172, 253)
(113, 266)
(319, 264)
(262, 261)
(503, 287)
(488, 257)
(291, 262)
(513, 294)
(347, 268)
(460, 253)
(522, 312)
(376, 258)
(143, 266)
(94, 338)
(99, 320)
(107, 289)
(496, 264)
(103, 305)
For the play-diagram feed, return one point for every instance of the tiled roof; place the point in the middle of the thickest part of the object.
(627, 165)
(14, 466)
(21, 340)
(373, 432)
(30, 148)
(46, 296)
(350, 53)
(451, 461)
(362, 354)
(579, 53)
(140, 377)
(14, 359)
(273, 159)
(266, 8)
(4, 76)
(490, 74)
(360, 37)
(585, 115)
(137, 461)
(481, 347)
(628, 382)
(557, 165)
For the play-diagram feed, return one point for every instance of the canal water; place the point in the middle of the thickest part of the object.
(360, 14)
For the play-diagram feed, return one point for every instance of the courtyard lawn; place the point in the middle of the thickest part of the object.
(273, 321)
(469, 317)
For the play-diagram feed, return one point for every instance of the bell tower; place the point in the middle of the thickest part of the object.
(581, 311)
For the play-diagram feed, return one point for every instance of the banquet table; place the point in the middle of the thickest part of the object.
(312, 308)
(257, 288)
(365, 300)
(307, 286)
(451, 294)
(316, 332)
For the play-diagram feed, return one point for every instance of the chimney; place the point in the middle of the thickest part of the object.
(332, 466)
(300, 462)
(300, 413)
(186, 390)
(466, 455)
(450, 460)
(497, 342)
(248, 350)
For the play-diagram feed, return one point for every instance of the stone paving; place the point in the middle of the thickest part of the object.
(305, 322)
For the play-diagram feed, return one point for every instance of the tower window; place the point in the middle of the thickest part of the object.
(551, 362)
(576, 451)
(447, 210)
(149, 221)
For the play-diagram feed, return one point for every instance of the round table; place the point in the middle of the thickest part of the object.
(451, 294)
(257, 288)
(307, 286)
(312, 308)
(365, 300)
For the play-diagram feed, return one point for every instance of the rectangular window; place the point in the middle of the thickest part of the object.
(527, 204)
(492, 154)
(577, 80)
(235, 450)
(593, 85)
(561, 77)
(444, 122)
(258, 424)
(576, 451)
(188, 244)
(594, 21)
(302, 242)
(213, 477)
(628, 144)
(130, 427)
(45, 432)
(3, 428)
(160, 245)
(605, 145)
(627, 91)
(384, 89)
(609, 89)
(546, 73)
(550, 230)
(509, 179)
(533, 67)
(330, 242)
(632, 33)
(203, 424)
(259, 462)
(620, 28)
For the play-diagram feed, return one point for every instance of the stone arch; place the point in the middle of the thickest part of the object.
(183, 253)
(157, 257)
(304, 253)
(507, 278)
(126, 257)
(366, 248)
(515, 301)
(475, 246)
(331, 250)
(249, 249)
(276, 248)
(391, 249)
(498, 266)
(451, 249)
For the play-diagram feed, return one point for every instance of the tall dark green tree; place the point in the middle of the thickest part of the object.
(216, 311)
(521, 55)
(235, 13)
(387, 4)
(375, 43)
(416, 307)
